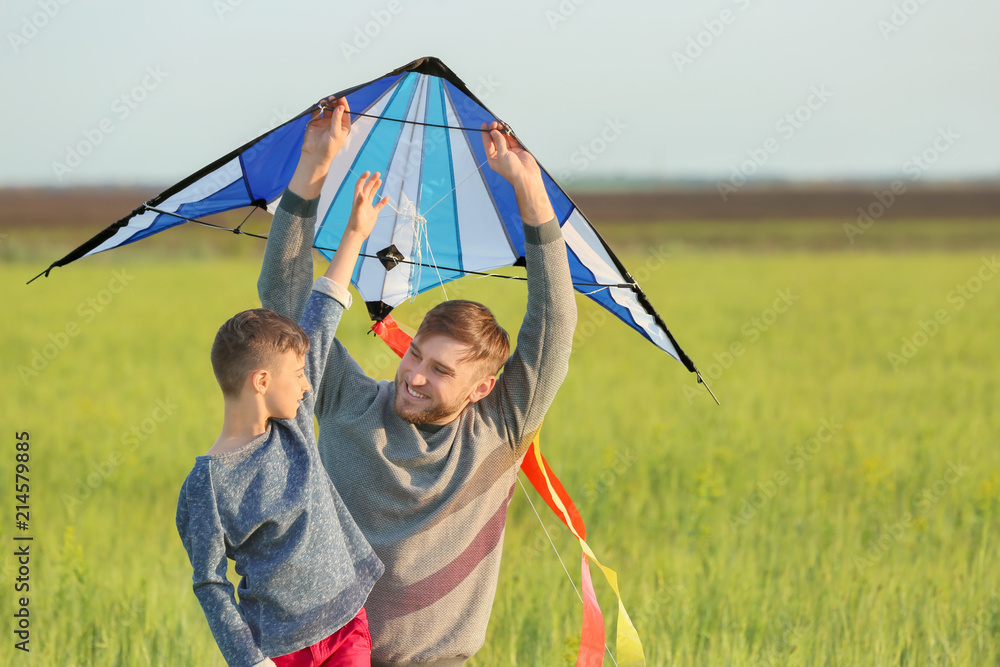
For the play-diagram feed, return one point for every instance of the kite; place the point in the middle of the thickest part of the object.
(448, 217)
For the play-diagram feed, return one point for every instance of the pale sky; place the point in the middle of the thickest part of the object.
(852, 89)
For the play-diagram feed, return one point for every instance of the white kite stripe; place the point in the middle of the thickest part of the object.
(360, 129)
(402, 185)
(218, 180)
(584, 242)
(484, 243)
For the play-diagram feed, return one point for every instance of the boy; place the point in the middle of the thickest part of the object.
(262, 498)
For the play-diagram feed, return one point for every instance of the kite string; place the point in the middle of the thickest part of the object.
(466, 273)
(568, 575)
(467, 177)
(418, 230)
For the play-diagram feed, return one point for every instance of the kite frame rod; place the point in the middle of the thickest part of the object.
(506, 128)
(237, 230)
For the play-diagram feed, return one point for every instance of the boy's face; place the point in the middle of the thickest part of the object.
(288, 385)
(435, 382)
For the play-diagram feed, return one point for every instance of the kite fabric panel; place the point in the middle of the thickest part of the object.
(449, 214)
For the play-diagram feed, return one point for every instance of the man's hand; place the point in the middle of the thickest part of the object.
(507, 157)
(324, 137)
(326, 132)
(364, 212)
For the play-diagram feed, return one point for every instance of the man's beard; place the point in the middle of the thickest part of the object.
(424, 416)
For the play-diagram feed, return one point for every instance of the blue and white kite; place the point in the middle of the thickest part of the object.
(450, 217)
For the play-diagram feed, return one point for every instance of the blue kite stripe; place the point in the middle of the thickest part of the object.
(437, 184)
(363, 98)
(374, 156)
(269, 164)
(501, 193)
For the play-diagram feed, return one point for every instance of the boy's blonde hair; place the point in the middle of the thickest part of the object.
(250, 341)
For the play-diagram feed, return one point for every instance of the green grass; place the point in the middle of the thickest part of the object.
(659, 471)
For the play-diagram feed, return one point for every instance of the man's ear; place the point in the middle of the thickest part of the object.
(482, 389)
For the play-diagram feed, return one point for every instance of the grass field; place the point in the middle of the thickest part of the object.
(841, 507)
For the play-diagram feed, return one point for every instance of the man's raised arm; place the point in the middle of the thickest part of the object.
(287, 272)
(540, 362)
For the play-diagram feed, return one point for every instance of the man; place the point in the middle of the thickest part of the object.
(427, 464)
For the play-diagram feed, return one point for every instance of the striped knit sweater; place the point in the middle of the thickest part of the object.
(432, 501)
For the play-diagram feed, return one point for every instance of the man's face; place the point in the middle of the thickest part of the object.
(435, 382)
(288, 385)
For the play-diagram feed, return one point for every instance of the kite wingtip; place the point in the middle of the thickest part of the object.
(43, 273)
(702, 381)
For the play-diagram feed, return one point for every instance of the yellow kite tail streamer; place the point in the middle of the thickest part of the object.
(627, 639)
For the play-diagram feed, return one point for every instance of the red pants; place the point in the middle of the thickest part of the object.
(347, 647)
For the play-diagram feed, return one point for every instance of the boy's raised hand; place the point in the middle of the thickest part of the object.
(364, 212)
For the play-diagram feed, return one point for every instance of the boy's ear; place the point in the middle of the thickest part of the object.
(260, 381)
(482, 389)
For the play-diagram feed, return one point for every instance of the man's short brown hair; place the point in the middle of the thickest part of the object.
(474, 325)
(250, 341)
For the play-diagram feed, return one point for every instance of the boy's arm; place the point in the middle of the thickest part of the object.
(287, 270)
(540, 361)
(322, 315)
(204, 540)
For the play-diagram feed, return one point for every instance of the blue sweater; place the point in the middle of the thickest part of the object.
(270, 506)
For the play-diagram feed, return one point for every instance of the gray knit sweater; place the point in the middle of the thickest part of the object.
(431, 501)
(270, 506)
